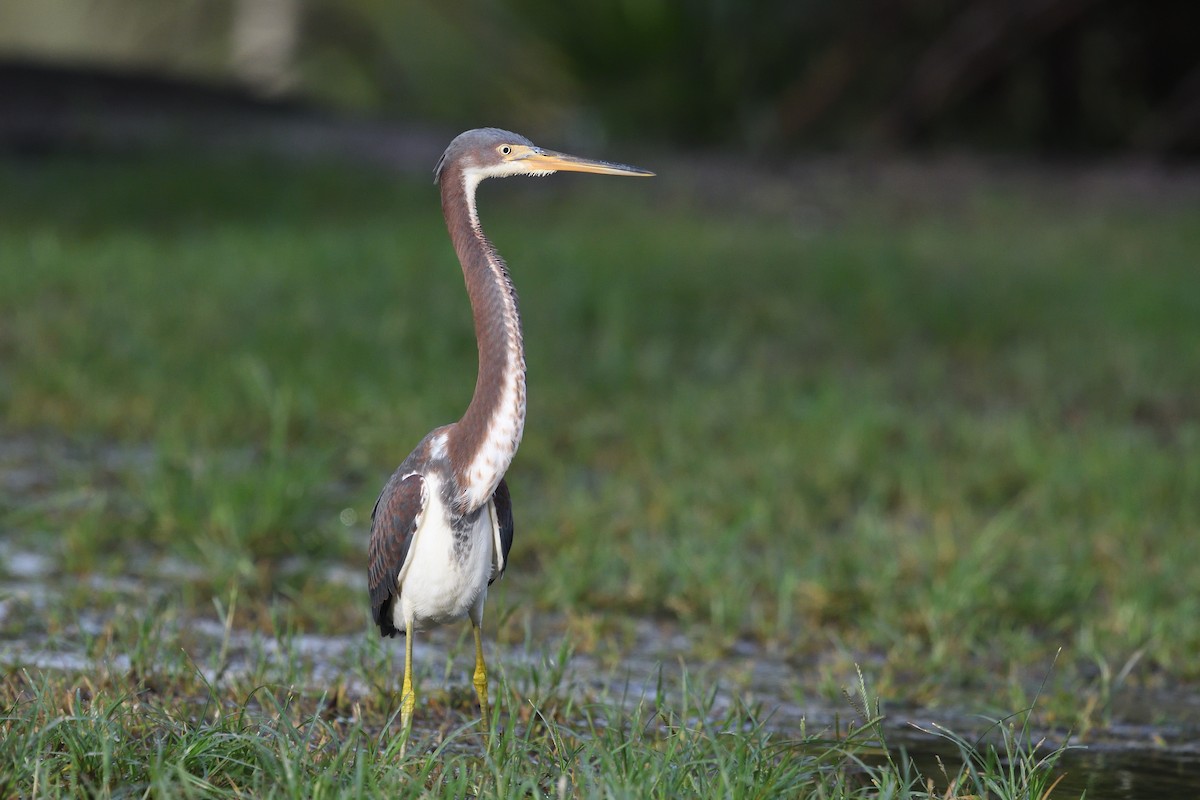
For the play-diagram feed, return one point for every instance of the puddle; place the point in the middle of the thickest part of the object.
(30, 465)
(25, 566)
(1116, 770)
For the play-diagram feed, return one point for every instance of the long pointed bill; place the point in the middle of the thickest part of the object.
(539, 159)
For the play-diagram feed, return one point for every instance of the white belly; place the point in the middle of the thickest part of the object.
(440, 583)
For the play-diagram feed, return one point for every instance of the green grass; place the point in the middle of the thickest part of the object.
(172, 733)
(944, 442)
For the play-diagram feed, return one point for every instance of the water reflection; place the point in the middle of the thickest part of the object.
(1103, 771)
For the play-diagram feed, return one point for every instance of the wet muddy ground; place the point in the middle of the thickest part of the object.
(1135, 757)
(1148, 748)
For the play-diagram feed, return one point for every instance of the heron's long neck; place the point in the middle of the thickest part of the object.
(482, 444)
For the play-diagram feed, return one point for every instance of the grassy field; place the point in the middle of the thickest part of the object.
(941, 438)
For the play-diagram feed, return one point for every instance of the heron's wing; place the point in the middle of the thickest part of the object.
(504, 528)
(393, 522)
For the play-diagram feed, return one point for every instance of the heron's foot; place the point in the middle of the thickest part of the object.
(408, 697)
(481, 684)
(481, 691)
(408, 700)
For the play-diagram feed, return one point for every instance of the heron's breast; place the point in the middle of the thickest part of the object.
(448, 567)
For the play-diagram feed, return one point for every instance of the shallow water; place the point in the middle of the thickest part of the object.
(1118, 770)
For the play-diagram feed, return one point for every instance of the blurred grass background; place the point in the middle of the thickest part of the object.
(957, 431)
(896, 362)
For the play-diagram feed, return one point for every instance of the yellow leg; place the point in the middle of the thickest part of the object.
(408, 697)
(481, 682)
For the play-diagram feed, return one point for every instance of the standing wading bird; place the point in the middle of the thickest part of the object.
(443, 524)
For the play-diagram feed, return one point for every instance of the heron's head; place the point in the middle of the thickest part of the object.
(494, 153)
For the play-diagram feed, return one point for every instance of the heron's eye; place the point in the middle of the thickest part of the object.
(505, 149)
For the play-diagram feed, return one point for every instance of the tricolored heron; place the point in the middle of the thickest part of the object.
(443, 525)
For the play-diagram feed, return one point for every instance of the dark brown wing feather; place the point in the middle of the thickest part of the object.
(504, 518)
(393, 522)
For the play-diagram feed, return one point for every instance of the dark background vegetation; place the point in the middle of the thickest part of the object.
(1044, 76)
